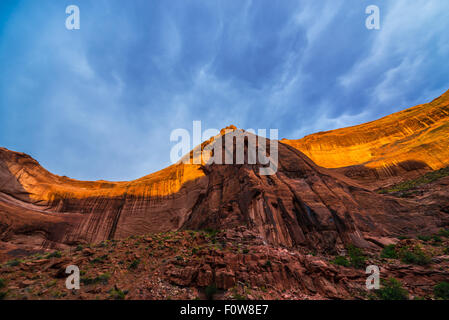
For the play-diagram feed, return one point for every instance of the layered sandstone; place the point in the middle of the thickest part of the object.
(415, 139)
(300, 205)
(53, 209)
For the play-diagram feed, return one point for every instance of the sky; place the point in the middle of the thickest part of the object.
(100, 102)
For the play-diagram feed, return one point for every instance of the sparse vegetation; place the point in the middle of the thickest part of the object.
(210, 291)
(411, 184)
(389, 252)
(134, 264)
(238, 296)
(58, 294)
(424, 238)
(444, 233)
(341, 261)
(117, 294)
(212, 233)
(13, 263)
(100, 259)
(414, 255)
(103, 279)
(356, 256)
(180, 251)
(50, 284)
(437, 240)
(392, 290)
(441, 291)
(55, 254)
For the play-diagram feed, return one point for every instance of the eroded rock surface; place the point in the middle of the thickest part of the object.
(399, 146)
(301, 205)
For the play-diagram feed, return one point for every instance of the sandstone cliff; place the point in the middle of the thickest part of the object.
(301, 205)
(415, 139)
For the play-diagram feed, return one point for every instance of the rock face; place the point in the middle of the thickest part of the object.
(415, 140)
(301, 205)
(52, 210)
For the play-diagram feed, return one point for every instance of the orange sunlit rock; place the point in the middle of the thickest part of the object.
(419, 134)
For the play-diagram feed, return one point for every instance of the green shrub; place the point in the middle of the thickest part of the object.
(436, 238)
(55, 254)
(444, 233)
(103, 279)
(3, 295)
(134, 264)
(341, 261)
(267, 264)
(117, 294)
(58, 294)
(2, 283)
(356, 257)
(389, 252)
(79, 248)
(414, 256)
(392, 290)
(13, 263)
(212, 233)
(210, 291)
(441, 291)
(424, 238)
(100, 259)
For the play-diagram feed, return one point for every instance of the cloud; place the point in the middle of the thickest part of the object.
(100, 102)
(403, 55)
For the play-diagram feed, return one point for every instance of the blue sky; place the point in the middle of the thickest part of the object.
(100, 102)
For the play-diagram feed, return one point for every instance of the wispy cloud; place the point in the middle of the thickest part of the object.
(101, 102)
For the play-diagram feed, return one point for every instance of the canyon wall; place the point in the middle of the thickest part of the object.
(413, 139)
(302, 204)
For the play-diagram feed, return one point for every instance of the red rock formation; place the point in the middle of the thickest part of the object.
(238, 262)
(301, 205)
(402, 145)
